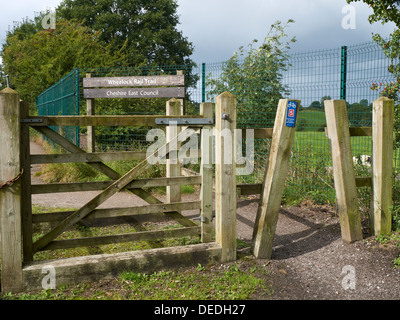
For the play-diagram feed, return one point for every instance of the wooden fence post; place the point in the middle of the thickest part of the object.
(173, 164)
(225, 175)
(182, 101)
(10, 193)
(26, 193)
(382, 165)
(91, 135)
(206, 172)
(274, 181)
(343, 170)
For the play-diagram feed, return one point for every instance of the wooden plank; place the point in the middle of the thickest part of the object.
(188, 172)
(26, 192)
(138, 81)
(141, 93)
(206, 173)
(173, 166)
(260, 133)
(96, 201)
(274, 181)
(101, 185)
(105, 266)
(120, 238)
(360, 131)
(100, 121)
(120, 212)
(363, 182)
(250, 189)
(10, 195)
(88, 157)
(343, 170)
(382, 166)
(225, 176)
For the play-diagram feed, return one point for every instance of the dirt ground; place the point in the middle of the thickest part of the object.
(309, 259)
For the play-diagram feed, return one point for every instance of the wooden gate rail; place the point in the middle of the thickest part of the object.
(100, 121)
(102, 185)
(121, 238)
(162, 209)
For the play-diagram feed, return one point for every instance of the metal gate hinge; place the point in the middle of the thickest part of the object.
(184, 121)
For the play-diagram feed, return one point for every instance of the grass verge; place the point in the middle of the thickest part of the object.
(242, 280)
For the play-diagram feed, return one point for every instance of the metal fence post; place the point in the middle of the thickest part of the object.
(203, 83)
(77, 105)
(343, 73)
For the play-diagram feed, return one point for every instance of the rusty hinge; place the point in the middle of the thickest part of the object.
(9, 183)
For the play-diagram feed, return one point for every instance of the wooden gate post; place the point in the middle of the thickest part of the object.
(343, 170)
(274, 181)
(26, 192)
(225, 175)
(173, 164)
(91, 131)
(382, 166)
(10, 192)
(206, 172)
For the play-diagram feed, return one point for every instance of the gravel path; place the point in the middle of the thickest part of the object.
(309, 259)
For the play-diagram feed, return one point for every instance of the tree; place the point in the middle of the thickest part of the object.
(315, 105)
(255, 76)
(3, 80)
(384, 11)
(145, 30)
(388, 11)
(364, 102)
(35, 61)
(323, 99)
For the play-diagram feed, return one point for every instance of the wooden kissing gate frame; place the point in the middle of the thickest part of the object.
(19, 272)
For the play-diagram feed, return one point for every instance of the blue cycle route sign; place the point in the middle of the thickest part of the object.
(291, 114)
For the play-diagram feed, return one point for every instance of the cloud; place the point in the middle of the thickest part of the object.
(20, 10)
(217, 28)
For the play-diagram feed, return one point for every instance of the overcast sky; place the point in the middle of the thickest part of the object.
(217, 28)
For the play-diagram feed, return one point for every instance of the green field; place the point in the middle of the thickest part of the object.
(313, 118)
(318, 144)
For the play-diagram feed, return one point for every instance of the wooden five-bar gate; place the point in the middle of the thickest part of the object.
(19, 270)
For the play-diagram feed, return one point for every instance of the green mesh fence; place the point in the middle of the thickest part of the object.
(314, 76)
(62, 99)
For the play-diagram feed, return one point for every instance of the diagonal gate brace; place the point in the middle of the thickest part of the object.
(146, 196)
(117, 186)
